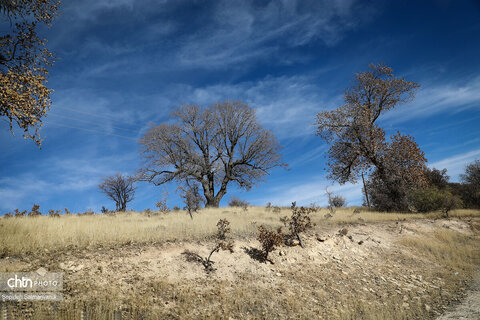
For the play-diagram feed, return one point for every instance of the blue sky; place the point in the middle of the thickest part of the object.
(123, 65)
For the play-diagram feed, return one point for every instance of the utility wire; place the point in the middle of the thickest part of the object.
(93, 130)
(92, 122)
(97, 116)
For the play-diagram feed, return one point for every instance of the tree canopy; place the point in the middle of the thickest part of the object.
(24, 58)
(214, 146)
(358, 142)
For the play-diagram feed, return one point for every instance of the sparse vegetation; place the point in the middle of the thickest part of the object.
(35, 211)
(54, 213)
(237, 202)
(162, 204)
(433, 257)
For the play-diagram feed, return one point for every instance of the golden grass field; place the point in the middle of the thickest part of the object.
(27, 235)
(130, 265)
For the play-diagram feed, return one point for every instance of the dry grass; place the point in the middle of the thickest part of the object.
(29, 235)
(443, 259)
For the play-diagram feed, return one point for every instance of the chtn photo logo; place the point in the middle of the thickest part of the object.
(22, 282)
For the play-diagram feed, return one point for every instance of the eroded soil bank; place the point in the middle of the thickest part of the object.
(389, 270)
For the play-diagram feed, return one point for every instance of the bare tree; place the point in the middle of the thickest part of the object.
(190, 193)
(120, 189)
(358, 143)
(213, 146)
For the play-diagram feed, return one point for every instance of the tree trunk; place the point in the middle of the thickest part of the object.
(366, 191)
(212, 202)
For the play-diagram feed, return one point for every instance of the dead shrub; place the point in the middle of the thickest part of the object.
(54, 213)
(19, 213)
(276, 209)
(297, 223)
(237, 202)
(35, 212)
(269, 240)
(223, 228)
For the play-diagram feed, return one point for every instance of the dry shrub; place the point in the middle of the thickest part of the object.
(237, 202)
(19, 213)
(268, 207)
(269, 240)
(276, 209)
(35, 212)
(53, 213)
(297, 223)
(89, 212)
(221, 243)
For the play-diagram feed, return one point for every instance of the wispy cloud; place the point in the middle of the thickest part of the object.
(311, 192)
(431, 100)
(58, 177)
(287, 105)
(455, 165)
(244, 30)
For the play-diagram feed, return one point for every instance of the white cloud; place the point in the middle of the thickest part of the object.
(242, 30)
(312, 192)
(56, 176)
(432, 100)
(455, 165)
(287, 105)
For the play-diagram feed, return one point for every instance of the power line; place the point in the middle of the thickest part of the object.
(98, 116)
(93, 130)
(87, 121)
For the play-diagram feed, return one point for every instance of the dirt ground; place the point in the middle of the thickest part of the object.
(469, 309)
(366, 262)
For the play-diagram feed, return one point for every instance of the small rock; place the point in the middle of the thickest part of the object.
(41, 271)
(360, 242)
(427, 307)
(278, 274)
(406, 305)
(282, 253)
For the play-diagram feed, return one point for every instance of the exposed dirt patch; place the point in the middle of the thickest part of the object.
(469, 308)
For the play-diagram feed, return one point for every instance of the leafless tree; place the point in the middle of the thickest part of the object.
(190, 193)
(119, 188)
(211, 146)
